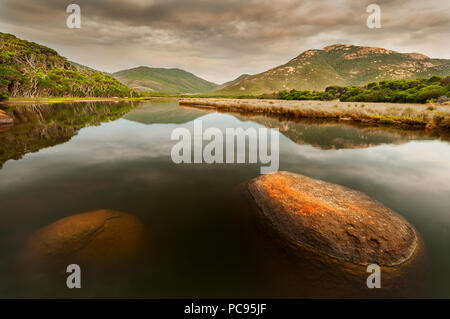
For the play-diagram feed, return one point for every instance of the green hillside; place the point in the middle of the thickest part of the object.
(28, 69)
(342, 65)
(170, 81)
(237, 80)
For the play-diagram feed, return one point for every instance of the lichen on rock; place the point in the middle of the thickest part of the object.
(333, 219)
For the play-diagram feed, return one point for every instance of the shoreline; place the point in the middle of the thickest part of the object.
(421, 116)
(13, 101)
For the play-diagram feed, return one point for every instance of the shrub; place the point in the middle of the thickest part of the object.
(445, 81)
(430, 92)
(396, 91)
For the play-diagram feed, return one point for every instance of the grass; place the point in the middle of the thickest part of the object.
(412, 115)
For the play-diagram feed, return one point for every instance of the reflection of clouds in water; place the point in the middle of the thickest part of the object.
(407, 166)
(127, 166)
(124, 140)
(118, 141)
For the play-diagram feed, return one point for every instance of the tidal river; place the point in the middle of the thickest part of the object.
(60, 160)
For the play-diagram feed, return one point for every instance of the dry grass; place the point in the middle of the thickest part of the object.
(417, 115)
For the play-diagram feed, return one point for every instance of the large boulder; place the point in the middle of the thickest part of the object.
(100, 237)
(333, 220)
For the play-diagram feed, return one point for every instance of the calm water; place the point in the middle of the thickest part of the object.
(58, 162)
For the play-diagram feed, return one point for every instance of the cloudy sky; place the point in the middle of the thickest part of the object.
(221, 39)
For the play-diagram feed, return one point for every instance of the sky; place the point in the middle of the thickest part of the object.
(219, 40)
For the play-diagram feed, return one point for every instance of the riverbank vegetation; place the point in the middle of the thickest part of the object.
(390, 114)
(431, 90)
(420, 91)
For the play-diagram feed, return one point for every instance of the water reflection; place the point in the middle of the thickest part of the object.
(330, 135)
(163, 113)
(202, 246)
(38, 126)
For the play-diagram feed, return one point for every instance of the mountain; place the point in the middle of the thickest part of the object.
(170, 81)
(339, 64)
(28, 69)
(237, 80)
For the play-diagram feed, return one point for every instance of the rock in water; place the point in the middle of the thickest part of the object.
(333, 219)
(100, 237)
(5, 119)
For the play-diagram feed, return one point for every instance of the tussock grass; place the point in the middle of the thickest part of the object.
(416, 115)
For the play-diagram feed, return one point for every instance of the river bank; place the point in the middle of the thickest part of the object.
(78, 100)
(392, 114)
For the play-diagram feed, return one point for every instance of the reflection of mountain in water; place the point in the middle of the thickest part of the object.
(328, 135)
(163, 113)
(44, 125)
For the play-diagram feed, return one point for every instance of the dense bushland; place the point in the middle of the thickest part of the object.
(28, 69)
(434, 89)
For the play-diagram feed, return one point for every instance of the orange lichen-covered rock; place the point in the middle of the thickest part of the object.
(100, 237)
(333, 219)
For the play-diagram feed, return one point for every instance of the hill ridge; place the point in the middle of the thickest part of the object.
(164, 80)
(28, 69)
(339, 64)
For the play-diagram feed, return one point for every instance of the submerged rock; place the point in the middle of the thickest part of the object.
(334, 220)
(100, 237)
(5, 119)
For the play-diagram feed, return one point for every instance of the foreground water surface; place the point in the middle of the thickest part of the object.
(60, 160)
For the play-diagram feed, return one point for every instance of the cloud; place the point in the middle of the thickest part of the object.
(220, 40)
